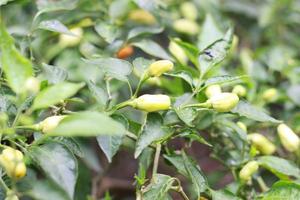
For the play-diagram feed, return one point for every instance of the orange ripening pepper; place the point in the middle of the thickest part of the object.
(125, 52)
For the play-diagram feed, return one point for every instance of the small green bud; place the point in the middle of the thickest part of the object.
(71, 40)
(239, 90)
(212, 90)
(159, 67)
(32, 85)
(261, 143)
(186, 26)
(288, 138)
(270, 94)
(248, 170)
(242, 126)
(189, 10)
(178, 52)
(152, 103)
(50, 123)
(223, 102)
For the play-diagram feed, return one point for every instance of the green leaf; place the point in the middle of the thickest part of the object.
(2, 194)
(279, 166)
(16, 67)
(241, 133)
(45, 190)
(247, 110)
(50, 6)
(141, 31)
(153, 130)
(210, 33)
(55, 26)
(223, 195)
(215, 53)
(71, 144)
(107, 31)
(190, 50)
(58, 163)
(140, 65)
(119, 8)
(98, 93)
(282, 190)
(183, 75)
(55, 94)
(293, 93)
(193, 136)
(145, 161)
(54, 74)
(159, 188)
(189, 169)
(152, 48)
(88, 124)
(187, 115)
(223, 80)
(111, 144)
(113, 67)
(4, 2)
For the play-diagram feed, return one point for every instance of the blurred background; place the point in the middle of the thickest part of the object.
(265, 47)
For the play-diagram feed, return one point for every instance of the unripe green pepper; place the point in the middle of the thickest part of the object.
(154, 81)
(212, 90)
(189, 10)
(262, 144)
(50, 123)
(178, 52)
(152, 103)
(10, 195)
(186, 26)
(242, 126)
(270, 94)
(248, 170)
(142, 16)
(159, 67)
(223, 102)
(288, 138)
(239, 90)
(12, 161)
(71, 40)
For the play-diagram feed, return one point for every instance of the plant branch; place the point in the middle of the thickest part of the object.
(3, 184)
(142, 80)
(203, 105)
(156, 160)
(182, 193)
(262, 184)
